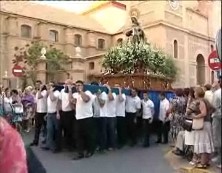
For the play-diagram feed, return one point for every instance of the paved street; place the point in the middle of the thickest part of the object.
(127, 160)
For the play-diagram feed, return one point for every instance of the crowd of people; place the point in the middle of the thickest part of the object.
(77, 119)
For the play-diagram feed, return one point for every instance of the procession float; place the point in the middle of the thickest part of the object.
(136, 63)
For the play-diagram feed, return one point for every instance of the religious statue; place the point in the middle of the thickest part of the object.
(136, 34)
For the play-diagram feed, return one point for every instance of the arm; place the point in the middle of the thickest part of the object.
(39, 94)
(52, 96)
(203, 111)
(120, 96)
(84, 96)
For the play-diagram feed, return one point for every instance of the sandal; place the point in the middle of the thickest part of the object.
(201, 166)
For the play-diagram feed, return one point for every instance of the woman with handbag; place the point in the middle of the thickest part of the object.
(203, 142)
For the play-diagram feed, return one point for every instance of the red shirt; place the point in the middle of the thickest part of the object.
(12, 150)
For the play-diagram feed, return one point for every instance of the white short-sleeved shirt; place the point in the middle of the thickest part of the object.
(103, 110)
(111, 107)
(121, 106)
(133, 104)
(41, 104)
(52, 105)
(164, 106)
(148, 107)
(64, 97)
(84, 109)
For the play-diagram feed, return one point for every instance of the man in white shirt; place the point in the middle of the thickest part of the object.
(216, 123)
(53, 131)
(67, 118)
(111, 119)
(121, 120)
(41, 110)
(164, 123)
(148, 112)
(133, 105)
(84, 121)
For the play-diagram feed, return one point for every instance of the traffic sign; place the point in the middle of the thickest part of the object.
(214, 61)
(17, 71)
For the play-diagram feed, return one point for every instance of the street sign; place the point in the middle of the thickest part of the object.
(214, 61)
(17, 71)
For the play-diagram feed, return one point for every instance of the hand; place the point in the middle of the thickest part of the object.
(150, 120)
(51, 89)
(58, 116)
(107, 86)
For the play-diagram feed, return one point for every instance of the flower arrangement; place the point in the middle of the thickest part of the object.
(131, 58)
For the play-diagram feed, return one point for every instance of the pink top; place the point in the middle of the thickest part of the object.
(12, 150)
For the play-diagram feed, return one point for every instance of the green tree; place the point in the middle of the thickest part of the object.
(30, 56)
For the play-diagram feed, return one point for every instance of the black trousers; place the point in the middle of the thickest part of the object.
(121, 131)
(85, 135)
(146, 131)
(102, 133)
(163, 130)
(39, 123)
(67, 122)
(131, 127)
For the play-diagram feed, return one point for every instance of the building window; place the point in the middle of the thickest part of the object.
(119, 41)
(91, 65)
(175, 49)
(212, 48)
(101, 43)
(53, 36)
(26, 31)
(212, 77)
(78, 40)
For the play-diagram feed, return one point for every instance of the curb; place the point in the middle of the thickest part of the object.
(194, 170)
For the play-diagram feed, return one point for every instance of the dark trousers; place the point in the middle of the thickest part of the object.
(67, 122)
(163, 130)
(39, 123)
(85, 136)
(102, 132)
(111, 132)
(139, 128)
(53, 132)
(146, 132)
(131, 127)
(121, 131)
(96, 122)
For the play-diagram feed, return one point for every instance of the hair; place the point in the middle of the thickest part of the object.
(179, 92)
(79, 81)
(162, 94)
(94, 83)
(199, 92)
(14, 91)
(191, 92)
(208, 87)
(39, 81)
(186, 92)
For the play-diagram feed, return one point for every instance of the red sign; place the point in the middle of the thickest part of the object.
(214, 61)
(17, 71)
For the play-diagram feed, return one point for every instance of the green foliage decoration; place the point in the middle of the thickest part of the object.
(128, 58)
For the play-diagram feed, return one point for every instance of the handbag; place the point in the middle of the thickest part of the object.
(198, 124)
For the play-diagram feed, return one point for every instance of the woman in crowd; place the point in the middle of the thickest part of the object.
(203, 142)
(12, 151)
(177, 110)
(28, 102)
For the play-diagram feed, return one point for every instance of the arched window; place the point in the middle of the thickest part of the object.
(119, 41)
(78, 40)
(53, 35)
(101, 43)
(26, 31)
(91, 65)
(175, 49)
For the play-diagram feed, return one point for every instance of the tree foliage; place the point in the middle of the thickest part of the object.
(29, 57)
(130, 58)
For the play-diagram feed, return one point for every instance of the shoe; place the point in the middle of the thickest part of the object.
(56, 151)
(158, 142)
(177, 152)
(89, 154)
(33, 144)
(110, 149)
(164, 142)
(146, 145)
(101, 151)
(78, 157)
(45, 148)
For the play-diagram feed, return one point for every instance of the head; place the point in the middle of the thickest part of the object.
(133, 92)
(38, 84)
(191, 93)
(162, 96)
(179, 92)
(14, 93)
(50, 85)
(186, 92)
(207, 87)
(7, 92)
(28, 90)
(145, 96)
(68, 82)
(199, 92)
(79, 85)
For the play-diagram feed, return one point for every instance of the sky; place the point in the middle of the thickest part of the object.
(74, 6)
